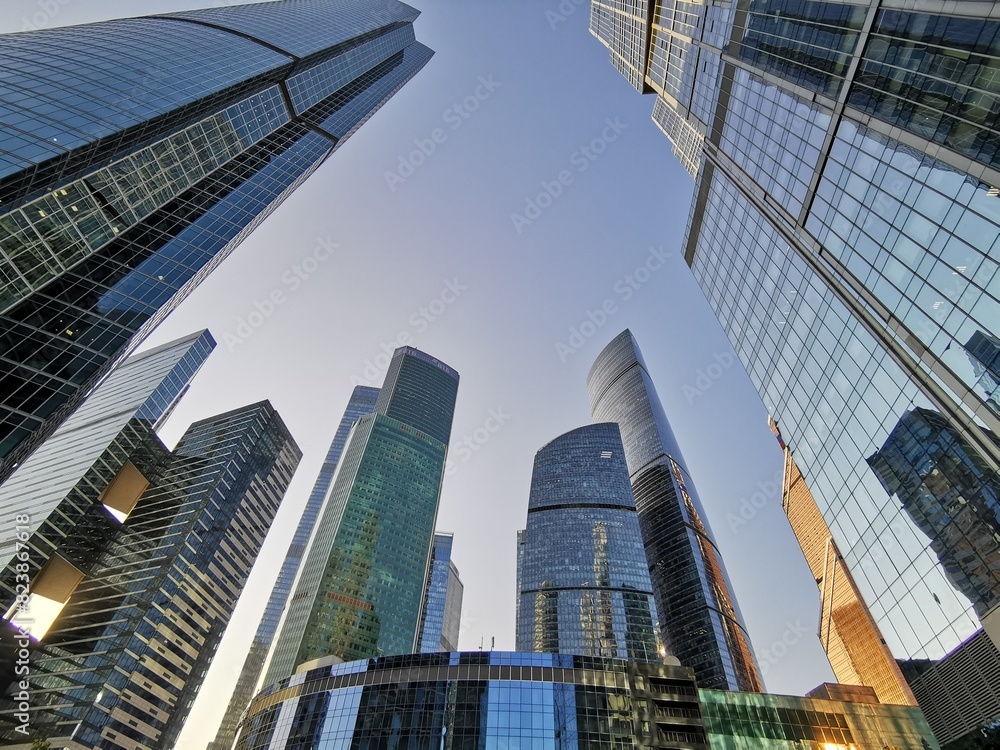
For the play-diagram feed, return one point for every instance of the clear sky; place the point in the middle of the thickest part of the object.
(518, 94)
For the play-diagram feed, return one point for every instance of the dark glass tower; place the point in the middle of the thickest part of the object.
(362, 402)
(136, 154)
(953, 497)
(137, 600)
(441, 620)
(362, 584)
(583, 581)
(700, 622)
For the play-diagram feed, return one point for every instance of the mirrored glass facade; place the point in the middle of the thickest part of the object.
(583, 581)
(441, 620)
(126, 653)
(362, 402)
(136, 154)
(496, 700)
(846, 231)
(699, 620)
(361, 590)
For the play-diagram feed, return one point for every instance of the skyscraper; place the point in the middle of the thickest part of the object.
(134, 578)
(844, 229)
(583, 582)
(441, 620)
(362, 402)
(847, 632)
(700, 622)
(362, 583)
(984, 355)
(136, 154)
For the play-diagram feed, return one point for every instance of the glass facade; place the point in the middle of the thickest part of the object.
(138, 626)
(700, 622)
(136, 154)
(496, 700)
(583, 581)
(441, 620)
(362, 402)
(146, 386)
(361, 590)
(846, 231)
(850, 637)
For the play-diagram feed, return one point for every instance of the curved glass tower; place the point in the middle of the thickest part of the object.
(362, 585)
(583, 582)
(136, 154)
(700, 622)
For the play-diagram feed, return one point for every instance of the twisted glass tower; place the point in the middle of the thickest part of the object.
(583, 582)
(362, 402)
(136, 154)
(700, 622)
(362, 585)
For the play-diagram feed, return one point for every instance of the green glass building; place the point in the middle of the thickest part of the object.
(362, 582)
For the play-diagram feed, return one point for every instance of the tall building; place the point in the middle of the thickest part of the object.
(847, 632)
(700, 622)
(361, 589)
(362, 402)
(127, 173)
(464, 701)
(145, 387)
(844, 229)
(984, 356)
(582, 579)
(133, 580)
(441, 620)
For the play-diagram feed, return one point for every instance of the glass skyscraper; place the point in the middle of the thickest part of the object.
(699, 620)
(362, 402)
(136, 154)
(582, 579)
(361, 590)
(441, 620)
(492, 700)
(133, 579)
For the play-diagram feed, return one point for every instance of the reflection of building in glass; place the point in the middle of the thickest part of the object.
(362, 402)
(844, 229)
(984, 354)
(961, 691)
(463, 701)
(142, 151)
(140, 564)
(441, 620)
(361, 589)
(583, 580)
(849, 635)
(952, 495)
(700, 623)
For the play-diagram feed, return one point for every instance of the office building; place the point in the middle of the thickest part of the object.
(361, 589)
(465, 701)
(441, 620)
(700, 623)
(136, 154)
(362, 402)
(845, 229)
(133, 580)
(582, 579)
(849, 636)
